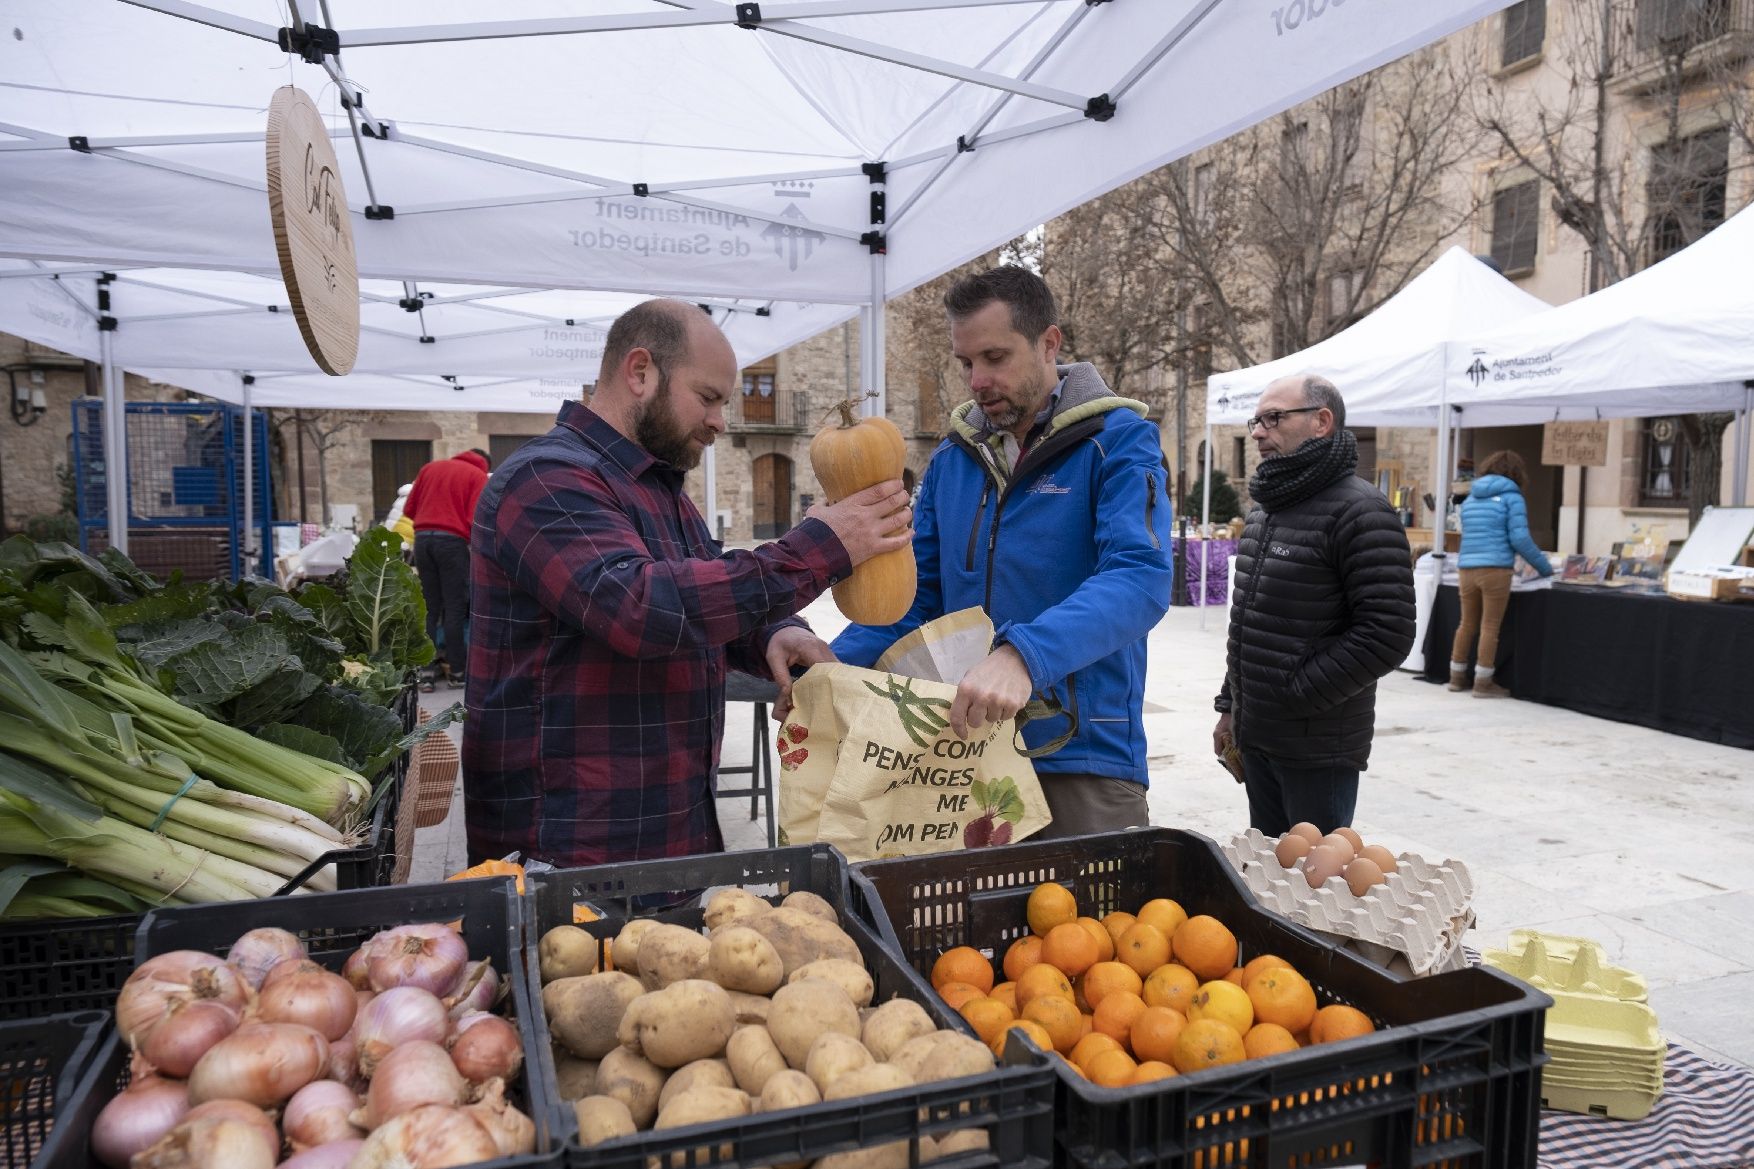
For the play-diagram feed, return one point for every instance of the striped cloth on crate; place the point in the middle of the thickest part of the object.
(1703, 1120)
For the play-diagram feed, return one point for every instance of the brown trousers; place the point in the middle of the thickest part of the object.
(1083, 804)
(1485, 593)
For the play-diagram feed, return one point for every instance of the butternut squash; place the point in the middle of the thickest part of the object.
(849, 455)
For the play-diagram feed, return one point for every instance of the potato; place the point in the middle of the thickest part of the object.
(603, 1118)
(753, 1058)
(625, 951)
(703, 1103)
(963, 1140)
(702, 1073)
(668, 953)
(576, 1078)
(685, 1021)
(733, 905)
(812, 904)
(750, 1008)
(851, 975)
(566, 951)
(875, 1077)
(740, 959)
(633, 1080)
(789, 1089)
(943, 1055)
(802, 1011)
(894, 1023)
(832, 1056)
(882, 1157)
(802, 938)
(584, 1013)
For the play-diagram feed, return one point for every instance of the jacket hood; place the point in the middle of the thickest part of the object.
(1085, 396)
(473, 459)
(1487, 486)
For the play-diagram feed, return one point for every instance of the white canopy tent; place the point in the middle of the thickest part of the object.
(820, 152)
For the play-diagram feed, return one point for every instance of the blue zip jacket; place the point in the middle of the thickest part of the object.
(1068, 553)
(1495, 527)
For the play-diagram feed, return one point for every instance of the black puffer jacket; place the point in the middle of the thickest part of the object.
(1323, 608)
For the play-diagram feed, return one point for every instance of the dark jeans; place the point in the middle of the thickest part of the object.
(1281, 794)
(443, 563)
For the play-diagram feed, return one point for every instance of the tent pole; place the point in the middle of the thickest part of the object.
(115, 426)
(1440, 516)
(710, 464)
(249, 540)
(1206, 519)
(1744, 424)
(878, 384)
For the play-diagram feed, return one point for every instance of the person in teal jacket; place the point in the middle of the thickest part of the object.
(1046, 505)
(1495, 530)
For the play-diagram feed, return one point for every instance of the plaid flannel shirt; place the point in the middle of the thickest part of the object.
(603, 617)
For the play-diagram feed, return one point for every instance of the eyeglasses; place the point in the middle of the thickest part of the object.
(1270, 419)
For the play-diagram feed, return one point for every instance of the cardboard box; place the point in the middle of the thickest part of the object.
(1711, 584)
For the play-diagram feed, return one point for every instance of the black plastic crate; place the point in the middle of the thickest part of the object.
(1014, 1102)
(40, 1065)
(1452, 1076)
(332, 926)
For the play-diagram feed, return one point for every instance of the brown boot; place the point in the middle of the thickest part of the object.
(1458, 680)
(1487, 688)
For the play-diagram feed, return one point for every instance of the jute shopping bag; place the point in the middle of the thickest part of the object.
(869, 764)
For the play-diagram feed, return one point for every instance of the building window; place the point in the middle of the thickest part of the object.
(1674, 26)
(758, 395)
(1667, 473)
(1686, 190)
(1516, 226)
(1525, 28)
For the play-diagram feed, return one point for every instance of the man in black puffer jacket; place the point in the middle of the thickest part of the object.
(1322, 608)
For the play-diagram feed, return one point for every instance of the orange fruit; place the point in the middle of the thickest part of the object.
(1165, 914)
(1104, 978)
(1069, 948)
(1336, 1022)
(1151, 1070)
(1115, 1016)
(955, 994)
(963, 964)
(1283, 996)
(1105, 945)
(1259, 963)
(1050, 905)
(1111, 1069)
(1143, 947)
(1207, 1043)
(1024, 953)
(1096, 1041)
(1206, 946)
(1006, 992)
(1224, 1001)
(1234, 978)
(1039, 980)
(1155, 1031)
(1078, 998)
(1170, 985)
(988, 1017)
(1037, 1035)
(1266, 1039)
(1116, 924)
(1086, 1028)
(1059, 1018)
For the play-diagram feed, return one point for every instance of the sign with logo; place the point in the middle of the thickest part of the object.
(312, 232)
(1574, 444)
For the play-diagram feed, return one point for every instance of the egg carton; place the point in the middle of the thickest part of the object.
(1565, 965)
(1412, 924)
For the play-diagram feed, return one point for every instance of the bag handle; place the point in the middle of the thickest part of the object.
(1044, 707)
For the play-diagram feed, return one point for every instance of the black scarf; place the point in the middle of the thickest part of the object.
(1285, 481)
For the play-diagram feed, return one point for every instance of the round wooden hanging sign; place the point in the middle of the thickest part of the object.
(312, 231)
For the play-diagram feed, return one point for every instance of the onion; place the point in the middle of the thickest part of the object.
(260, 950)
(188, 1029)
(412, 1075)
(513, 1133)
(486, 1047)
(287, 969)
(334, 1155)
(179, 975)
(214, 1142)
(137, 1118)
(317, 1115)
(477, 990)
(262, 1063)
(354, 969)
(395, 1017)
(430, 956)
(433, 1137)
(344, 1063)
(319, 1000)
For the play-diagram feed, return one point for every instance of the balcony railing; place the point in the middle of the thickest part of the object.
(1664, 42)
(777, 413)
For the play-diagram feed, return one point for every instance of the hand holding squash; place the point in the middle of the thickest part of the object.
(870, 522)
(849, 456)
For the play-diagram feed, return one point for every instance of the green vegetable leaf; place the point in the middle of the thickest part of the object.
(128, 572)
(364, 731)
(978, 790)
(305, 635)
(246, 679)
(161, 608)
(330, 611)
(66, 565)
(377, 682)
(385, 602)
(41, 788)
(304, 739)
(1011, 807)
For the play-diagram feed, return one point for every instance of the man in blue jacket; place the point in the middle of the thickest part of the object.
(1047, 505)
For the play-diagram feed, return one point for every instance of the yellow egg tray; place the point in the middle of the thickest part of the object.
(1557, 963)
(1616, 1105)
(1411, 924)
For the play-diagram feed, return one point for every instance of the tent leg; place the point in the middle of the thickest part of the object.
(710, 464)
(1440, 516)
(115, 439)
(1205, 521)
(249, 540)
(1744, 424)
(872, 340)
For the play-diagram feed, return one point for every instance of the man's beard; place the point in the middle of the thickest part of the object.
(1035, 391)
(655, 429)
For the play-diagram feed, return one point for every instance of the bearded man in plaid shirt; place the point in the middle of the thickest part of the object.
(604, 614)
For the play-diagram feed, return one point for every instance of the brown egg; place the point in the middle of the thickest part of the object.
(1291, 849)
(1357, 840)
(1385, 860)
(1341, 845)
(1322, 863)
(1308, 831)
(1362, 874)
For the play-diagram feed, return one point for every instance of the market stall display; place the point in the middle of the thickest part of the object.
(41, 1062)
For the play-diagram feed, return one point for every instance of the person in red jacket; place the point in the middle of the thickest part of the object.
(442, 508)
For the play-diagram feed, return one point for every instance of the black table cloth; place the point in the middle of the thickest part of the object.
(1686, 667)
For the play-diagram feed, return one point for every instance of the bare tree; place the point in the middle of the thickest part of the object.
(321, 431)
(919, 347)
